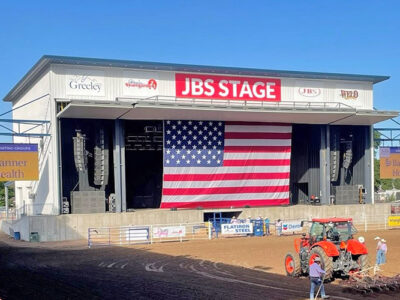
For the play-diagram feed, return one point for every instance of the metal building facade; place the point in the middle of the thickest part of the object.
(317, 104)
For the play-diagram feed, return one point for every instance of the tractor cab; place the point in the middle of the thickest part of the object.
(334, 230)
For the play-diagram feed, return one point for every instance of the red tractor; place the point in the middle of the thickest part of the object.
(332, 241)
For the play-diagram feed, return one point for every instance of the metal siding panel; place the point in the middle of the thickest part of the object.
(305, 168)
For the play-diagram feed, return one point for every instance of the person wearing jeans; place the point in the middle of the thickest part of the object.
(315, 278)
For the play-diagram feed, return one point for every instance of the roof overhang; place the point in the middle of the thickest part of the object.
(44, 63)
(95, 110)
(148, 111)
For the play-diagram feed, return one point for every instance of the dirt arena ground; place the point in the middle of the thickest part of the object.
(229, 268)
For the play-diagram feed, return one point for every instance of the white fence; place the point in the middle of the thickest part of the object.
(148, 234)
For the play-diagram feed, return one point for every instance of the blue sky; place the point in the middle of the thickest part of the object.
(357, 37)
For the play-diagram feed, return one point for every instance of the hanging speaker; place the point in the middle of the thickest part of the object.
(334, 154)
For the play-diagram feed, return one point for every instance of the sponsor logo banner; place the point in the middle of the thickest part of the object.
(227, 87)
(84, 82)
(169, 231)
(394, 221)
(19, 162)
(349, 94)
(309, 90)
(241, 228)
(291, 226)
(140, 84)
(389, 161)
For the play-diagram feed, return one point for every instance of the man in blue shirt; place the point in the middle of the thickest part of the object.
(315, 277)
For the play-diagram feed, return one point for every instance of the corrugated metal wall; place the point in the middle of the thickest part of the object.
(304, 169)
(115, 79)
(305, 161)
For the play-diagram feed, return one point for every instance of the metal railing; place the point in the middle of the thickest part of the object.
(148, 234)
(243, 104)
(10, 214)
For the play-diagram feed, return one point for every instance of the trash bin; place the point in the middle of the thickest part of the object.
(34, 237)
(258, 228)
(17, 235)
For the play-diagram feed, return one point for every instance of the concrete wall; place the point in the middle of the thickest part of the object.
(72, 227)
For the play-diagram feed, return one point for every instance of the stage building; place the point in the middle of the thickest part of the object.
(119, 136)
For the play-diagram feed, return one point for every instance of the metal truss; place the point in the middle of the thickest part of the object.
(389, 136)
(28, 127)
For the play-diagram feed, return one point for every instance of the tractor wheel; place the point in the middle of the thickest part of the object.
(326, 261)
(292, 264)
(363, 262)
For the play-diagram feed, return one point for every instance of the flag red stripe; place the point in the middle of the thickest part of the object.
(258, 135)
(226, 203)
(256, 162)
(249, 149)
(225, 190)
(227, 176)
(255, 123)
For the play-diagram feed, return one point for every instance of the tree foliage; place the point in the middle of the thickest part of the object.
(3, 196)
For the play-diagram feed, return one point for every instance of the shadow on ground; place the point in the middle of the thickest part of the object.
(32, 272)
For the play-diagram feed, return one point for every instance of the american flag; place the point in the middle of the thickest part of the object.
(225, 164)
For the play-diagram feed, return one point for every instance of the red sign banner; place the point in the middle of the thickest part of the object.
(227, 87)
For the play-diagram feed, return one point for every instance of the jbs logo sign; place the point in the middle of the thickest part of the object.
(227, 87)
(309, 92)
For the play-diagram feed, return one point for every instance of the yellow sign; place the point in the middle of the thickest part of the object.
(394, 221)
(19, 162)
(389, 162)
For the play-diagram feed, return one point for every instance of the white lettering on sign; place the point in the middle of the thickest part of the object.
(227, 87)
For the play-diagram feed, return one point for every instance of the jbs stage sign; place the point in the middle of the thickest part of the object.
(389, 162)
(19, 162)
(227, 87)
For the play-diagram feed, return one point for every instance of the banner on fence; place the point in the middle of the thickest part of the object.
(137, 234)
(241, 228)
(291, 226)
(389, 158)
(169, 232)
(394, 221)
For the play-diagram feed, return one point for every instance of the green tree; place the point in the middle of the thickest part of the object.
(3, 196)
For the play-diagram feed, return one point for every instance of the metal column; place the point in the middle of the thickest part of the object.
(324, 165)
(369, 164)
(119, 166)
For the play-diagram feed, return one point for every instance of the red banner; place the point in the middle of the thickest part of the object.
(227, 87)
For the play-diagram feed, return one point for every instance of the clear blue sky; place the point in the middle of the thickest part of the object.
(357, 37)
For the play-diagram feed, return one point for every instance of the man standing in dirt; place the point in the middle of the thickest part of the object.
(378, 251)
(315, 278)
(383, 251)
(278, 227)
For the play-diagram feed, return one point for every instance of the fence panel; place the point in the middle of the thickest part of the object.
(129, 235)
